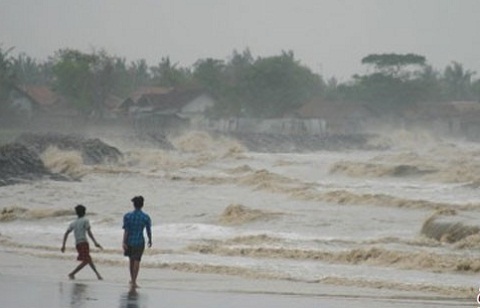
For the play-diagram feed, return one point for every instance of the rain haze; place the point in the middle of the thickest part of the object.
(277, 170)
(329, 36)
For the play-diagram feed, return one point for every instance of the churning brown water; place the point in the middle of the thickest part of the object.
(406, 219)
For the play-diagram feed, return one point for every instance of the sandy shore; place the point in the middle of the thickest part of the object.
(27, 281)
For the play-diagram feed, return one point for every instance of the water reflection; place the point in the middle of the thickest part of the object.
(131, 299)
(77, 296)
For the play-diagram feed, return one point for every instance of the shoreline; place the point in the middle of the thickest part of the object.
(44, 283)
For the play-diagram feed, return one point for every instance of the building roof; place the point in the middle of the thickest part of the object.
(42, 95)
(173, 100)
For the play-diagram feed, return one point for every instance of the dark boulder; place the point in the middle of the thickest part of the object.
(93, 151)
(19, 163)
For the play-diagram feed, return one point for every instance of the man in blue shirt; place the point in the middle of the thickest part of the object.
(133, 240)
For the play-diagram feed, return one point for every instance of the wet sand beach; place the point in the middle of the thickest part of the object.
(44, 283)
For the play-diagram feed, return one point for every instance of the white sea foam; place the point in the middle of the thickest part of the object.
(194, 231)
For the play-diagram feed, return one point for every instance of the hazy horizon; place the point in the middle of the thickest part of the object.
(329, 36)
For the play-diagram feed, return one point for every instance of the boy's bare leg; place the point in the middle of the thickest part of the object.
(77, 269)
(95, 270)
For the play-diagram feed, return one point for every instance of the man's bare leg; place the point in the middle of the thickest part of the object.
(134, 269)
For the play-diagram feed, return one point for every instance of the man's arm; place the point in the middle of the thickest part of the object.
(124, 242)
(65, 236)
(149, 232)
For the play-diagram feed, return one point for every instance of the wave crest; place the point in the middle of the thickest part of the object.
(199, 142)
(355, 169)
(236, 214)
(449, 230)
(14, 213)
(64, 162)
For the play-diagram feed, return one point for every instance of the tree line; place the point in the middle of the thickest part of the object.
(243, 85)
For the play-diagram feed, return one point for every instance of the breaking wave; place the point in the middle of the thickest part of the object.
(65, 162)
(442, 165)
(275, 183)
(240, 170)
(403, 138)
(411, 260)
(201, 142)
(354, 169)
(152, 159)
(370, 256)
(195, 149)
(448, 230)
(14, 213)
(236, 214)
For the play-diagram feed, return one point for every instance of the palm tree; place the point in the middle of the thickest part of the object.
(7, 78)
(457, 82)
(167, 74)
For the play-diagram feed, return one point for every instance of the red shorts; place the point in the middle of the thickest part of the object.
(83, 252)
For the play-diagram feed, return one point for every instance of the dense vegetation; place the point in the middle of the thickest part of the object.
(243, 85)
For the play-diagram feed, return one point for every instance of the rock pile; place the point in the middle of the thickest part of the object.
(20, 161)
(93, 151)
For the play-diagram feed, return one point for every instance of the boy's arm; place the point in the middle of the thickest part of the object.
(65, 236)
(89, 232)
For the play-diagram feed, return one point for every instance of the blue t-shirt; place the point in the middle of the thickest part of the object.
(134, 222)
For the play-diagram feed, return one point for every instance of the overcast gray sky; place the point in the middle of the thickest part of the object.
(329, 36)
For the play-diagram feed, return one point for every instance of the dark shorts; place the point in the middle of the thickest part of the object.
(83, 252)
(134, 252)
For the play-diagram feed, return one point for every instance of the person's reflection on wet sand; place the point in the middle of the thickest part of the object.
(131, 299)
(78, 296)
